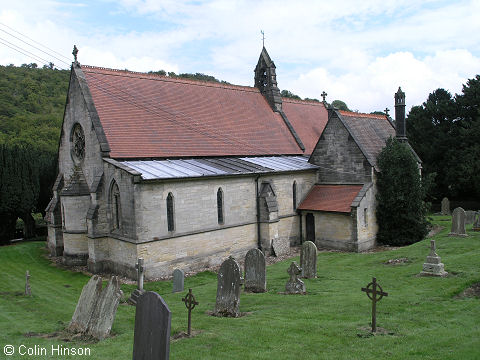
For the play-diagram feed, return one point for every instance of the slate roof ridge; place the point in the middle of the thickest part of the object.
(363, 115)
(179, 80)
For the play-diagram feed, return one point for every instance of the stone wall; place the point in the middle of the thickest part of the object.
(339, 157)
(332, 230)
(367, 226)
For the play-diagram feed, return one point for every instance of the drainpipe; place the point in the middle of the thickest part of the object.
(259, 241)
(301, 227)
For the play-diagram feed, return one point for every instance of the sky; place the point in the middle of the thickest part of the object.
(359, 52)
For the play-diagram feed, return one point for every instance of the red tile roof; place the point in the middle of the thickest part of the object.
(308, 118)
(337, 198)
(146, 115)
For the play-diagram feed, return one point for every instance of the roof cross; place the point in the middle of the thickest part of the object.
(263, 37)
(75, 52)
(323, 95)
(386, 111)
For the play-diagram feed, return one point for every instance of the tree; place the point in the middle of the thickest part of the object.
(401, 210)
(288, 94)
(339, 104)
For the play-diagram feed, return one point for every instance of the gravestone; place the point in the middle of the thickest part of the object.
(140, 275)
(281, 246)
(458, 223)
(86, 305)
(433, 265)
(151, 340)
(96, 308)
(445, 206)
(469, 217)
(228, 289)
(28, 290)
(476, 223)
(178, 280)
(255, 271)
(372, 290)
(104, 313)
(294, 285)
(308, 260)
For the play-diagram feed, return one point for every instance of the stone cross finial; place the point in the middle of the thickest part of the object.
(386, 111)
(263, 37)
(75, 52)
(140, 272)
(28, 290)
(323, 95)
(432, 248)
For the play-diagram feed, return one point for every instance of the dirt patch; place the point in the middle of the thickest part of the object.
(472, 291)
(63, 336)
(365, 332)
(399, 261)
(241, 314)
(183, 335)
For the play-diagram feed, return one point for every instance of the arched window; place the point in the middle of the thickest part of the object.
(170, 218)
(294, 195)
(116, 206)
(220, 205)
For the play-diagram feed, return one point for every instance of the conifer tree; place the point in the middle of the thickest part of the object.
(401, 210)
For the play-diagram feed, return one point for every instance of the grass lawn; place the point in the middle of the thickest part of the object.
(423, 317)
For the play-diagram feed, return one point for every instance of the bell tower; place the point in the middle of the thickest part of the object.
(266, 80)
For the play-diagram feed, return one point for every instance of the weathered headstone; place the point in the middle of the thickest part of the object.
(228, 289)
(433, 265)
(86, 305)
(28, 290)
(308, 260)
(372, 292)
(280, 246)
(476, 223)
(178, 280)
(152, 328)
(294, 285)
(190, 304)
(255, 271)
(139, 290)
(469, 217)
(445, 206)
(96, 308)
(458, 223)
(104, 313)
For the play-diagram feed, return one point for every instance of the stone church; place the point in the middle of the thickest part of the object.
(185, 173)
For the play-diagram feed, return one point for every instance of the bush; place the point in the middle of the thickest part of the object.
(401, 210)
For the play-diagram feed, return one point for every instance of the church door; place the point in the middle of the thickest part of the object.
(310, 224)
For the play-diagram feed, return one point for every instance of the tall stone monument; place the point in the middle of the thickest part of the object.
(140, 276)
(228, 289)
(433, 265)
(151, 340)
(445, 206)
(255, 271)
(308, 260)
(458, 223)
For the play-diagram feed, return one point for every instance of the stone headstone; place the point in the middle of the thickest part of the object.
(228, 289)
(96, 308)
(86, 305)
(104, 314)
(458, 223)
(255, 271)
(433, 265)
(28, 290)
(294, 285)
(152, 328)
(140, 277)
(469, 217)
(476, 223)
(281, 246)
(445, 206)
(308, 260)
(178, 280)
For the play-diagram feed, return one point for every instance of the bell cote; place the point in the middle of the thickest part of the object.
(266, 80)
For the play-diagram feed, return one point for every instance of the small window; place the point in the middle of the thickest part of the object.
(365, 217)
(220, 206)
(170, 218)
(116, 206)
(294, 195)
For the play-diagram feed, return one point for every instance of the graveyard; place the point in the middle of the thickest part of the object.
(423, 317)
